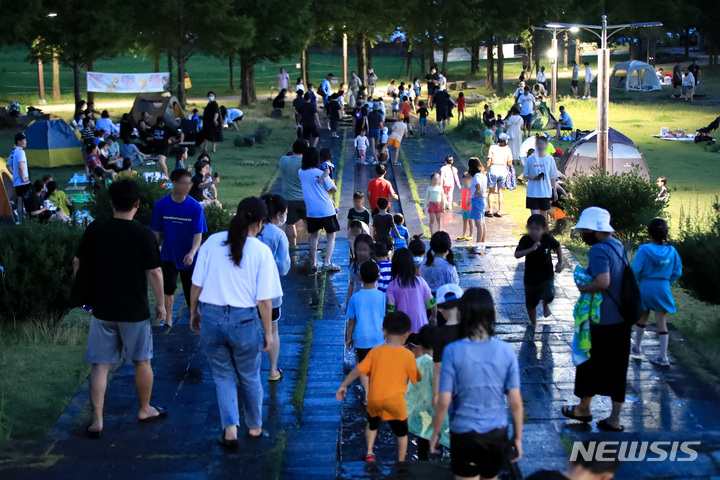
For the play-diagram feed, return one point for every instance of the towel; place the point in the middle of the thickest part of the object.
(587, 309)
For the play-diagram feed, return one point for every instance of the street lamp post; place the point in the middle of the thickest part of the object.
(555, 28)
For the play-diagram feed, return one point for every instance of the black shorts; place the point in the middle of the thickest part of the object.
(537, 204)
(398, 427)
(296, 211)
(573, 83)
(170, 274)
(361, 353)
(329, 224)
(334, 125)
(160, 150)
(21, 190)
(677, 84)
(275, 314)
(483, 454)
(544, 291)
(310, 132)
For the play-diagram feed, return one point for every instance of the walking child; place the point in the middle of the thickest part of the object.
(439, 267)
(417, 249)
(478, 201)
(401, 240)
(363, 253)
(395, 105)
(656, 265)
(537, 247)
(435, 202)
(389, 368)
(448, 180)
(465, 206)
(461, 106)
(361, 146)
(365, 314)
(423, 114)
(448, 303)
(384, 224)
(382, 257)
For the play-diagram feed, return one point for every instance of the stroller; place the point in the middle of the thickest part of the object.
(703, 134)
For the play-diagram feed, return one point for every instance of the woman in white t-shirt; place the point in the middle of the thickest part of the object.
(283, 79)
(317, 187)
(234, 280)
(499, 162)
(540, 173)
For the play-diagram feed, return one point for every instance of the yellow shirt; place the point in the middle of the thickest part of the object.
(59, 199)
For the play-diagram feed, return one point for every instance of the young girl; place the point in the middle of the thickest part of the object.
(461, 106)
(417, 248)
(300, 85)
(478, 188)
(656, 265)
(363, 252)
(410, 294)
(435, 203)
(439, 268)
(448, 180)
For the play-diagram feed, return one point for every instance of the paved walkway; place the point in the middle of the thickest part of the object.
(318, 437)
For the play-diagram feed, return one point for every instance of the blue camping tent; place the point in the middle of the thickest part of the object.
(52, 143)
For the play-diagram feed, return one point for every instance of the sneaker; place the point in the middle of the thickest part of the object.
(636, 352)
(584, 98)
(661, 361)
(488, 214)
(331, 267)
(497, 215)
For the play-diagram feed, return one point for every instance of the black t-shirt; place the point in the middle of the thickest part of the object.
(423, 112)
(538, 264)
(33, 202)
(547, 475)
(278, 102)
(298, 104)
(162, 136)
(363, 216)
(375, 118)
(383, 224)
(333, 110)
(195, 191)
(307, 114)
(444, 336)
(119, 252)
(360, 115)
(431, 78)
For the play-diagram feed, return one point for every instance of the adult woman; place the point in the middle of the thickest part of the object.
(321, 213)
(476, 374)
(513, 127)
(605, 372)
(478, 189)
(282, 79)
(499, 163)
(212, 123)
(235, 279)
(399, 131)
(274, 237)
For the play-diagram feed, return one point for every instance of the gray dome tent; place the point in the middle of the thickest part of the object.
(635, 76)
(623, 155)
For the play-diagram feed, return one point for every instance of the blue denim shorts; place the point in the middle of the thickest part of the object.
(478, 208)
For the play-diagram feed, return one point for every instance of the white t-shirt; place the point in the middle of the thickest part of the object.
(361, 143)
(398, 131)
(283, 79)
(317, 200)
(534, 165)
(479, 179)
(243, 286)
(690, 80)
(589, 77)
(17, 164)
(526, 103)
(541, 77)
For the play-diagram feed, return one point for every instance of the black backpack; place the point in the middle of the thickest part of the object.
(629, 304)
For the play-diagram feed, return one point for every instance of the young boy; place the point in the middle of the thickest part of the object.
(465, 207)
(389, 367)
(361, 146)
(365, 312)
(537, 246)
(358, 210)
(448, 301)
(395, 105)
(423, 113)
(417, 248)
(383, 224)
(402, 240)
(382, 256)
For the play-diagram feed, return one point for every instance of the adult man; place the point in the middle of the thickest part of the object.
(297, 109)
(542, 77)
(375, 124)
(694, 68)
(292, 189)
(574, 78)
(589, 77)
(380, 188)
(36, 207)
(119, 256)
(433, 83)
(17, 164)
(599, 467)
(527, 108)
(540, 174)
(310, 120)
(677, 78)
(443, 104)
(564, 122)
(163, 137)
(332, 110)
(371, 82)
(325, 88)
(354, 85)
(178, 221)
(519, 91)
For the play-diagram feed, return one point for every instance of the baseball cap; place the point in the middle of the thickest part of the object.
(596, 219)
(448, 293)
(400, 116)
(19, 136)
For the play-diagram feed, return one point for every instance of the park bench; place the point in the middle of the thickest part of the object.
(458, 85)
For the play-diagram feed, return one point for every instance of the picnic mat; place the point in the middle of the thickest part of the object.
(80, 197)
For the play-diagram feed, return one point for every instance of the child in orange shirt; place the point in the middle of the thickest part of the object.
(389, 367)
(461, 106)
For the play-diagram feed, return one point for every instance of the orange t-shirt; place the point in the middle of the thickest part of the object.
(379, 188)
(389, 369)
(465, 199)
(405, 109)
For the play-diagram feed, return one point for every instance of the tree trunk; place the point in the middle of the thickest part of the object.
(246, 79)
(181, 80)
(90, 95)
(422, 61)
(232, 76)
(444, 61)
(687, 43)
(303, 67)
(170, 71)
(500, 66)
(490, 64)
(368, 54)
(577, 51)
(307, 68)
(360, 53)
(156, 63)
(474, 58)
(76, 83)
(408, 72)
(253, 94)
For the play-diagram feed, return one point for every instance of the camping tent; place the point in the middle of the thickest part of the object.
(634, 76)
(623, 155)
(156, 107)
(52, 143)
(7, 194)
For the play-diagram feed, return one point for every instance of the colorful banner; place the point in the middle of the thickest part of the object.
(127, 82)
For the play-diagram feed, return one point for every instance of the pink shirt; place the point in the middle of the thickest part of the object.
(448, 174)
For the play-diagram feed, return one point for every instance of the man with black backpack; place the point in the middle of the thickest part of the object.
(605, 372)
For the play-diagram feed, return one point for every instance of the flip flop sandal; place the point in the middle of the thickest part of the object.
(92, 435)
(605, 426)
(569, 412)
(264, 434)
(277, 377)
(370, 458)
(225, 443)
(162, 413)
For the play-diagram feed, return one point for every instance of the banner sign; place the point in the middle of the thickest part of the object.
(127, 82)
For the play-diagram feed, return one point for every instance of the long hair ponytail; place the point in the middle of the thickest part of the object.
(250, 210)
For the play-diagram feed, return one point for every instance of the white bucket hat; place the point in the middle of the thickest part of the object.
(596, 219)
(504, 137)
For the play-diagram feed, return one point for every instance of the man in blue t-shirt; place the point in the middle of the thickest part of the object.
(178, 222)
(564, 122)
(527, 108)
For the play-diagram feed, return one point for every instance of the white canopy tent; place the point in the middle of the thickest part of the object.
(635, 76)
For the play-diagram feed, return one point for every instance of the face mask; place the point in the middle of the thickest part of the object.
(211, 98)
(589, 237)
(282, 221)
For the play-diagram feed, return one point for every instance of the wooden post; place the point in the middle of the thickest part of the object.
(345, 59)
(41, 82)
(56, 77)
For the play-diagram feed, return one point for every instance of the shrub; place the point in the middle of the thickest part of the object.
(150, 192)
(699, 249)
(469, 123)
(217, 220)
(37, 261)
(628, 197)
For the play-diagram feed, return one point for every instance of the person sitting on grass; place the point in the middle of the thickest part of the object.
(38, 209)
(389, 368)
(200, 184)
(93, 163)
(58, 198)
(126, 170)
(129, 150)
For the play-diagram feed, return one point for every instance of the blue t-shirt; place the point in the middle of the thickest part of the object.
(367, 307)
(566, 120)
(402, 240)
(179, 222)
(478, 374)
(608, 257)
